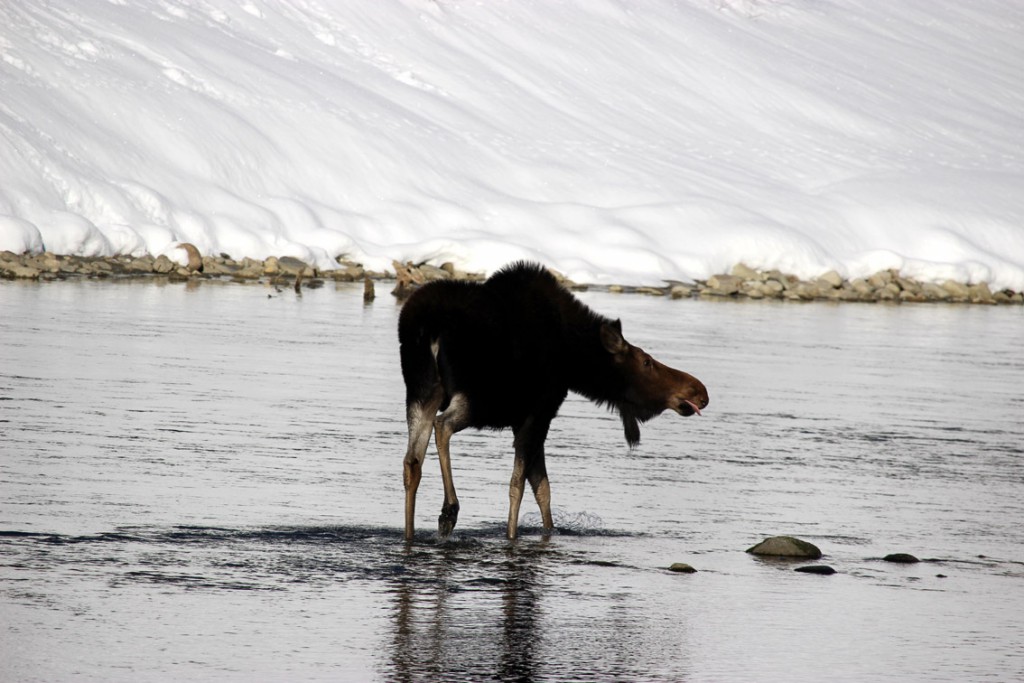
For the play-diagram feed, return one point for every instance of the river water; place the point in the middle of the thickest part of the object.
(202, 481)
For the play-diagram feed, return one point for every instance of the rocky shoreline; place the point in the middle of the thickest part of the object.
(741, 283)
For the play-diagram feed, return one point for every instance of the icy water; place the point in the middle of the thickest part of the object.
(203, 482)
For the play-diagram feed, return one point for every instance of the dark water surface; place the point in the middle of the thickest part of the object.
(203, 482)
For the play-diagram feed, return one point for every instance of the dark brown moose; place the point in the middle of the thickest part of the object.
(505, 353)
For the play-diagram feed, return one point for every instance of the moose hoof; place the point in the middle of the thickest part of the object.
(446, 521)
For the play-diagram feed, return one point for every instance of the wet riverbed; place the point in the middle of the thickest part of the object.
(203, 482)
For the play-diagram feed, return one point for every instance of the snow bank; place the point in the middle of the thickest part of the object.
(623, 142)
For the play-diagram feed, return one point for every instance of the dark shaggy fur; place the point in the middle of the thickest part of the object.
(510, 349)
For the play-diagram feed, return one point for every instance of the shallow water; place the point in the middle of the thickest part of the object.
(203, 482)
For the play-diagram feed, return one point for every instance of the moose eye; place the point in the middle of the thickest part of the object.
(647, 362)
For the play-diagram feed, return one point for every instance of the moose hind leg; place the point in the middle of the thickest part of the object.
(454, 419)
(420, 417)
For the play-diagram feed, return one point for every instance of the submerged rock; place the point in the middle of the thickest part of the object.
(901, 558)
(822, 569)
(785, 546)
(682, 568)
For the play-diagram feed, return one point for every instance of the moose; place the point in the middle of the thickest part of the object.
(504, 353)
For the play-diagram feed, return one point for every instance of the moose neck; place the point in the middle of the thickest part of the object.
(590, 371)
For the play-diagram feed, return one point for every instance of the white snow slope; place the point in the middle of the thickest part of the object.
(616, 140)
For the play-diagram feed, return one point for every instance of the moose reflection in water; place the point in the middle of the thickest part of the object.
(505, 353)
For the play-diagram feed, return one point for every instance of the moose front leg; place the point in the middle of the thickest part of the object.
(529, 464)
(538, 476)
(453, 420)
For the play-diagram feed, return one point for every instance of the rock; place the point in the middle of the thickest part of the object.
(744, 272)
(368, 291)
(289, 265)
(143, 264)
(980, 294)
(785, 546)
(908, 285)
(911, 296)
(880, 279)
(723, 285)
(831, 278)
(956, 290)
(680, 291)
(807, 291)
(213, 266)
(271, 266)
(431, 273)
(682, 568)
(933, 292)
(787, 281)
(19, 271)
(251, 269)
(408, 279)
(163, 265)
(889, 292)
(861, 286)
(822, 569)
(901, 558)
(650, 291)
(455, 273)
(773, 288)
(45, 262)
(753, 292)
(346, 272)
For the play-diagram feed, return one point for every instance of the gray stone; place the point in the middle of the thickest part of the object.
(785, 280)
(682, 568)
(22, 272)
(956, 290)
(143, 264)
(832, 279)
(46, 262)
(289, 265)
(163, 265)
(933, 292)
(754, 292)
(908, 285)
(822, 569)
(901, 558)
(980, 293)
(346, 272)
(786, 546)
(723, 285)
(861, 286)
(744, 272)
(880, 279)
(807, 291)
(680, 291)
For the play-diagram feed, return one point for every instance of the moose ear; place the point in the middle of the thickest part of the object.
(611, 337)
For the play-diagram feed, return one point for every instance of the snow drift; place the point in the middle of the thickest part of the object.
(625, 141)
